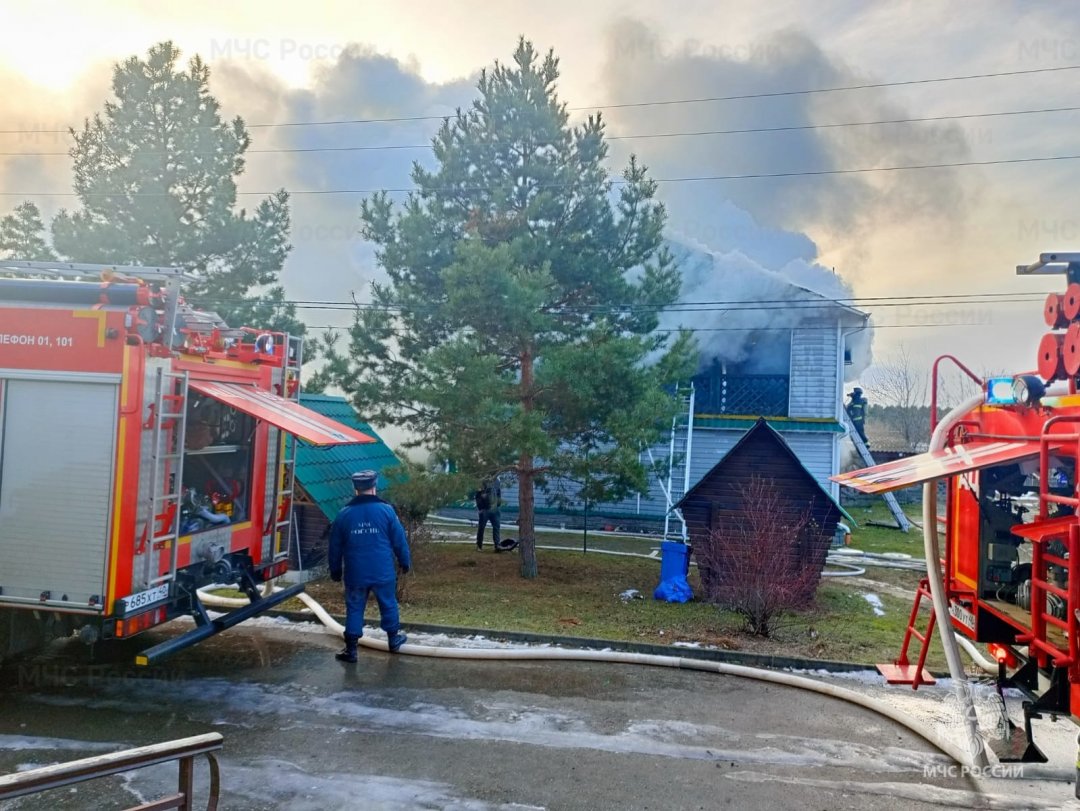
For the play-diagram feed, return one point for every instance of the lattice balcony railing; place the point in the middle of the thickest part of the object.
(752, 395)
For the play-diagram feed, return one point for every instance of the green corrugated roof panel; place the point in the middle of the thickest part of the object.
(778, 423)
(324, 472)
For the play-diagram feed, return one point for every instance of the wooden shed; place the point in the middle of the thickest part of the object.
(718, 503)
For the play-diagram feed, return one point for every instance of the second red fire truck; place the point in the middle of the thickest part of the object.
(143, 455)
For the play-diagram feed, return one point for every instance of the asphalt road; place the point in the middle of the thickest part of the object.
(395, 732)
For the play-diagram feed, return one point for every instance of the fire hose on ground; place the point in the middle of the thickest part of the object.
(972, 753)
(950, 748)
(959, 753)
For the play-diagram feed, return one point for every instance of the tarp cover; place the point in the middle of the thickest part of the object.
(289, 416)
(936, 465)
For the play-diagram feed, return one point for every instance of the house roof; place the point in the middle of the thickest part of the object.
(762, 425)
(324, 473)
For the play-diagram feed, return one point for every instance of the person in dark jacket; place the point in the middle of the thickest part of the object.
(488, 500)
(365, 539)
(856, 409)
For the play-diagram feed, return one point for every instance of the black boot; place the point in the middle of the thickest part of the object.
(348, 653)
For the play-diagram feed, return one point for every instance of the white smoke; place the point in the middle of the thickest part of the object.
(740, 309)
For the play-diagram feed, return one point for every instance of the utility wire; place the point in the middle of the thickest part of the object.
(761, 305)
(856, 300)
(613, 181)
(655, 103)
(639, 136)
(345, 328)
(739, 307)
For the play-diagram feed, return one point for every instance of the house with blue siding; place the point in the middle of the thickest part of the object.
(789, 369)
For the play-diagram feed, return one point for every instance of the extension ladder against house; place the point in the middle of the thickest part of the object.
(864, 452)
(902, 671)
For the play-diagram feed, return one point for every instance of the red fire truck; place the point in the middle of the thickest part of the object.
(1009, 463)
(143, 455)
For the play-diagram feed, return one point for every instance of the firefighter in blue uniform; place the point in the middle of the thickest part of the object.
(365, 539)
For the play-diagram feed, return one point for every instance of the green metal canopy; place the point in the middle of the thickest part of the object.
(324, 473)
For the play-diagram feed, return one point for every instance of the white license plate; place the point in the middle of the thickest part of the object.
(962, 615)
(134, 602)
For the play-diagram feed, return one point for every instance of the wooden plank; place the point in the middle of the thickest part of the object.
(77, 771)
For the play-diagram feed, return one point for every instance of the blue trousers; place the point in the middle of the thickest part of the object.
(356, 598)
(483, 516)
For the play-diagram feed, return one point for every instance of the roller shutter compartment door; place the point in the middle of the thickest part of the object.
(57, 450)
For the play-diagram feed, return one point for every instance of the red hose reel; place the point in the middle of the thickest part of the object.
(1059, 353)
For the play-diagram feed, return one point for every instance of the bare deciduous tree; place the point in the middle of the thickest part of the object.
(902, 387)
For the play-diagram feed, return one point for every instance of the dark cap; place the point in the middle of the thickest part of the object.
(364, 479)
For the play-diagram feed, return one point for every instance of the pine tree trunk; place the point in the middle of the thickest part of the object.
(526, 505)
(526, 518)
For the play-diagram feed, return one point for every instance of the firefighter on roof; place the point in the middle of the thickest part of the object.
(365, 539)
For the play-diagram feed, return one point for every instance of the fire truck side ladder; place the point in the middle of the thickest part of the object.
(901, 671)
(169, 432)
(1066, 530)
(285, 478)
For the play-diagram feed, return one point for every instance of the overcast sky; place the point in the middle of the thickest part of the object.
(924, 232)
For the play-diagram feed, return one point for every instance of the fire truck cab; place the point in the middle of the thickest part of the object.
(143, 455)
(1008, 463)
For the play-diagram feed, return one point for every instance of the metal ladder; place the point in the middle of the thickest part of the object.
(679, 455)
(285, 477)
(901, 671)
(167, 459)
(890, 500)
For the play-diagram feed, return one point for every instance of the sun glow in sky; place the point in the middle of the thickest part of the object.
(894, 233)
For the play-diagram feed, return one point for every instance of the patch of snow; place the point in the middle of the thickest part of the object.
(875, 601)
(22, 743)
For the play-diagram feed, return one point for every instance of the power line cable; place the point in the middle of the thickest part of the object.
(770, 306)
(655, 103)
(855, 300)
(639, 136)
(613, 181)
(345, 327)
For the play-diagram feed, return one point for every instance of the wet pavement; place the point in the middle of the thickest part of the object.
(399, 732)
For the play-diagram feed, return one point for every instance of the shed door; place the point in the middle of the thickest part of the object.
(56, 473)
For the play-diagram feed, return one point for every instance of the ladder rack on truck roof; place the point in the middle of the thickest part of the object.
(170, 277)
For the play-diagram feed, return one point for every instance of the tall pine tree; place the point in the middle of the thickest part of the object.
(156, 179)
(22, 235)
(519, 313)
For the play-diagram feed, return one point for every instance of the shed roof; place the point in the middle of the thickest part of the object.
(324, 473)
(761, 425)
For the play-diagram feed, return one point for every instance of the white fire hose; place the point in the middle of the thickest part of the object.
(972, 753)
(962, 688)
(950, 748)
